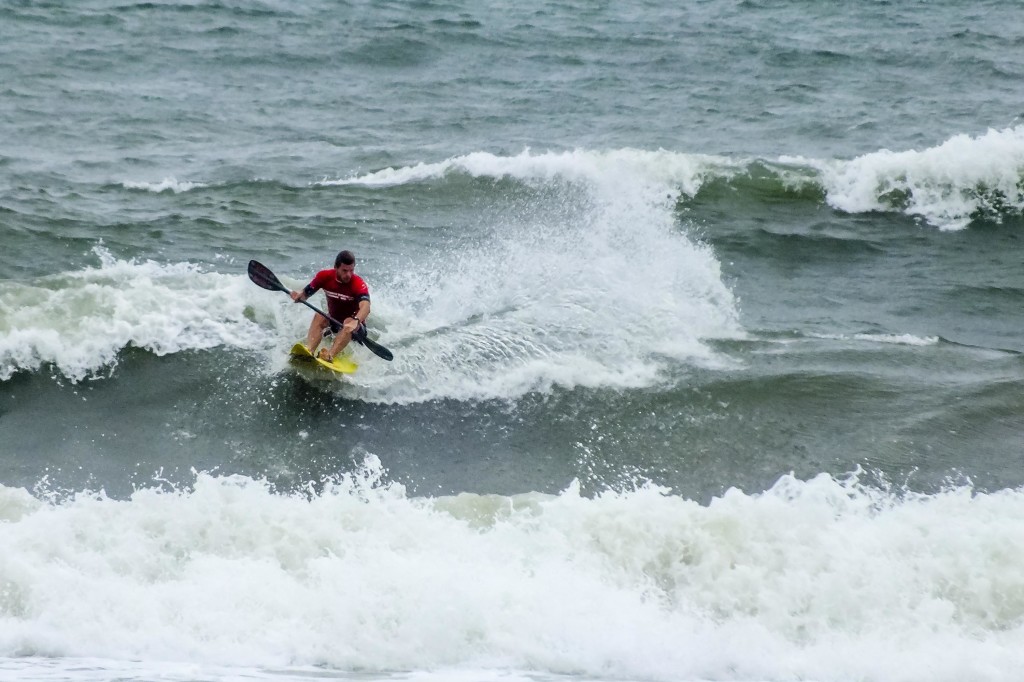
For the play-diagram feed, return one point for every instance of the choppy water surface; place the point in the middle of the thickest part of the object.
(706, 323)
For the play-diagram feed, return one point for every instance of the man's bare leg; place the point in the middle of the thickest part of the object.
(316, 332)
(341, 340)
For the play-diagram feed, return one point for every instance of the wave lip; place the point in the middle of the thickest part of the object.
(882, 338)
(948, 186)
(168, 184)
(680, 172)
(963, 179)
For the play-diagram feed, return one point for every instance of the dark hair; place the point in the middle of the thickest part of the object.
(346, 257)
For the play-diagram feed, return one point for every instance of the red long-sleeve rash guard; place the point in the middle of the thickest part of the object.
(342, 299)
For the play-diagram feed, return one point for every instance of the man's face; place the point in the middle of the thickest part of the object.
(344, 273)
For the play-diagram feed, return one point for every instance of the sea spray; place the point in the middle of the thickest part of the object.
(595, 286)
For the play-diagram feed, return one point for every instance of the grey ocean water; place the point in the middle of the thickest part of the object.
(707, 322)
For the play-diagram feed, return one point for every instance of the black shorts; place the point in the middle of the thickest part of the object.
(333, 329)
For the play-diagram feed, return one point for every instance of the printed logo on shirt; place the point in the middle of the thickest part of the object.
(341, 297)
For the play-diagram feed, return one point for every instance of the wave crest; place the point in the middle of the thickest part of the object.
(948, 186)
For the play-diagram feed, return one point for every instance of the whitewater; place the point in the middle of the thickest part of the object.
(812, 579)
(706, 320)
(480, 298)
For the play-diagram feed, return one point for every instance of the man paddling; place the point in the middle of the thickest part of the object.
(348, 301)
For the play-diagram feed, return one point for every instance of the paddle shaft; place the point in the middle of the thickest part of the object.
(313, 307)
(280, 287)
(377, 349)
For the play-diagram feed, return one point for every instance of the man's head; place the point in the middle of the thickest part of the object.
(345, 265)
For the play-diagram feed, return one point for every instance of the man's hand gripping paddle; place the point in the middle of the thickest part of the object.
(262, 276)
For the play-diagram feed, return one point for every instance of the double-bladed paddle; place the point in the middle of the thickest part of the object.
(261, 276)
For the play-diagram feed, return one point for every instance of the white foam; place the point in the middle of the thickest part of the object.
(80, 321)
(39, 669)
(945, 185)
(896, 339)
(167, 184)
(816, 579)
(661, 169)
(593, 284)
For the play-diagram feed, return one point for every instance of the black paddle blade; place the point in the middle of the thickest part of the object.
(378, 350)
(261, 276)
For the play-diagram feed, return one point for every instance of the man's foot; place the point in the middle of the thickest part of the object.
(325, 355)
